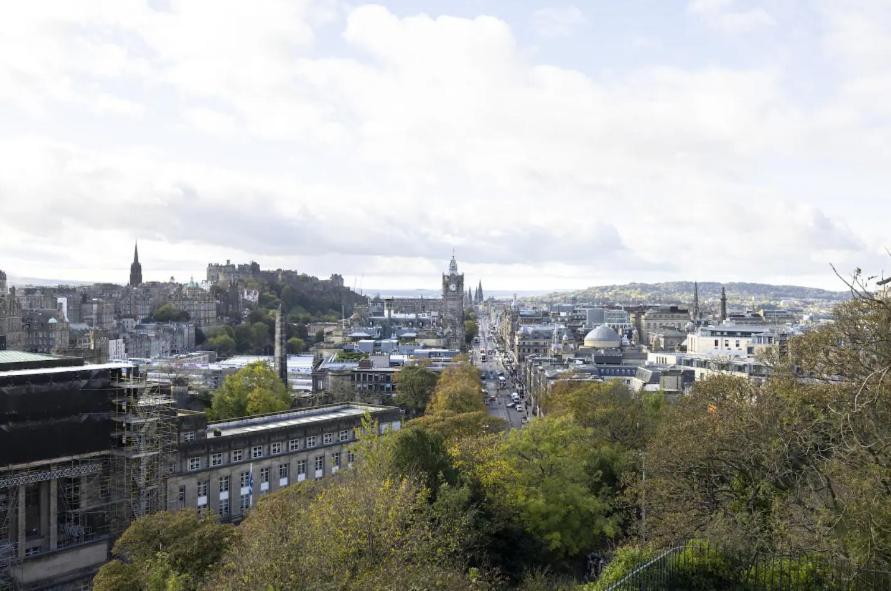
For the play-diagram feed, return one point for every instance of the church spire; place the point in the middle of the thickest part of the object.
(135, 268)
(453, 264)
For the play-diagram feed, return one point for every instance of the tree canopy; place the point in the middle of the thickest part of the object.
(414, 386)
(165, 551)
(253, 389)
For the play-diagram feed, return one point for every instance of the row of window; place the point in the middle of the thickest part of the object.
(726, 343)
(202, 487)
(275, 448)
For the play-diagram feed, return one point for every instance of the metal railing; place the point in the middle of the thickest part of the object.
(700, 566)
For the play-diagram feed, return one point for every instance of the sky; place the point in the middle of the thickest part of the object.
(551, 145)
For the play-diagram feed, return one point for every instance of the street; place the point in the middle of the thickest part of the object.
(490, 371)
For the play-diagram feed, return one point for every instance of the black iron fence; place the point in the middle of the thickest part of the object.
(700, 566)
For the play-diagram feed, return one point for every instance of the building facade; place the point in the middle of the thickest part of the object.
(453, 306)
(224, 467)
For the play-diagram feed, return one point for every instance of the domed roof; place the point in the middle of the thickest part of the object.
(602, 337)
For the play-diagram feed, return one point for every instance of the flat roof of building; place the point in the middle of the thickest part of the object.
(292, 418)
(23, 356)
(66, 369)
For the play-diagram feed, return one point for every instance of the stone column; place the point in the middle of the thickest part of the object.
(53, 514)
(20, 529)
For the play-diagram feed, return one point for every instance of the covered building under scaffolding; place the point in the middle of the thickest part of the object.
(82, 453)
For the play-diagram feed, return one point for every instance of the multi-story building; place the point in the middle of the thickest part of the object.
(536, 339)
(159, 339)
(736, 340)
(85, 449)
(45, 331)
(97, 313)
(224, 467)
(453, 306)
(75, 466)
(198, 303)
(11, 335)
(656, 319)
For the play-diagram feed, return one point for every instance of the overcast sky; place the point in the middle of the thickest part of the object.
(551, 145)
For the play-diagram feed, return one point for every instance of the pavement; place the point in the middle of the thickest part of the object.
(493, 364)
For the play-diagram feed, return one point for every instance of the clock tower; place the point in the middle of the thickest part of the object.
(453, 306)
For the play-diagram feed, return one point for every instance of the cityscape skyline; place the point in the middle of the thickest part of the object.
(550, 145)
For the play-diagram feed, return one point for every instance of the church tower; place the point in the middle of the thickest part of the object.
(453, 306)
(135, 268)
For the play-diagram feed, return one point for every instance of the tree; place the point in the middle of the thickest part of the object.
(471, 329)
(422, 454)
(547, 475)
(165, 550)
(222, 343)
(414, 386)
(167, 313)
(253, 389)
(364, 530)
(296, 345)
(615, 414)
(451, 425)
(458, 390)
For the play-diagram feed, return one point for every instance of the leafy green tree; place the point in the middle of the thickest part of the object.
(260, 337)
(471, 329)
(451, 425)
(254, 389)
(547, 475)
(458, 390)
(167, 313)
(222, 343)
(610, 409)
(414, 386)
(422, 454)
(364, 530)
(243, 338)
(165, 550)
(296, 345)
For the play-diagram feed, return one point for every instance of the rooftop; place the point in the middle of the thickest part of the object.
(22, 360)
(291, 418)
(80, 366)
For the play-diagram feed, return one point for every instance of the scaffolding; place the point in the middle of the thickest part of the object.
(145, 437)
(80, 513)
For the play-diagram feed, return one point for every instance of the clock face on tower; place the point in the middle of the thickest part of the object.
(452, 287)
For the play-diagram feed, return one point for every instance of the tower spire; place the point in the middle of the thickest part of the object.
(135, 267)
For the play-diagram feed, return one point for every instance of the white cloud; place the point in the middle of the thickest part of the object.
(557, 21)
(727, 17)
(418, 134)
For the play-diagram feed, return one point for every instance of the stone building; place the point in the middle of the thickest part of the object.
(85, 449)
(11, 335)
(453, 306)
(45, 331)
(225, 467)
(657, 319)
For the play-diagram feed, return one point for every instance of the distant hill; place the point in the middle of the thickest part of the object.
(16, 281)
(682, 292)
